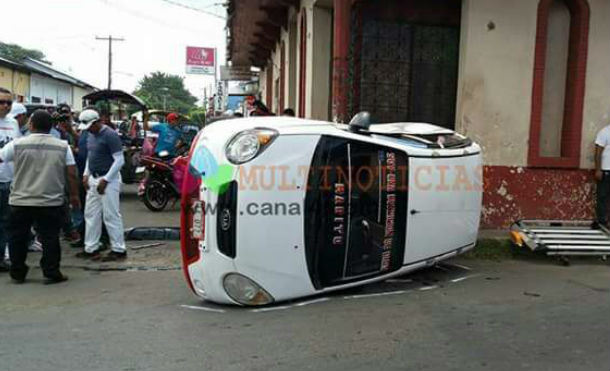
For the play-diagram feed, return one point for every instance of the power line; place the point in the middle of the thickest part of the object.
(195, 9)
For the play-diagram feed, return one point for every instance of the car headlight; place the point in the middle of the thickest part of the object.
(245, 291)
(245, 146)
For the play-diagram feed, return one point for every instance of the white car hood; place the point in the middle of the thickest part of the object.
(270, 245)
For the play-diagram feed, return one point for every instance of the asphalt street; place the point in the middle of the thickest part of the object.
(463, 315)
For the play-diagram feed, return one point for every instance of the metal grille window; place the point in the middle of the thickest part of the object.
(404, 70)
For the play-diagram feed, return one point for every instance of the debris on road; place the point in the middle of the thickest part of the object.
(152, 234)
(146, 246)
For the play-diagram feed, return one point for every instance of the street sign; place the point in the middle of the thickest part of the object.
(200, 61)
(234, 73)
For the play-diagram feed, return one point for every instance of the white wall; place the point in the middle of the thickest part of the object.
(496, 78)
(47, 88)
(597, 89)
(77, 98)
(496, 75)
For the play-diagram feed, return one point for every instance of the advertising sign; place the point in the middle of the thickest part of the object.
(200, 61)
(235, 73)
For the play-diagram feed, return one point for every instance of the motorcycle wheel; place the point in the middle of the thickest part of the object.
(156, 196)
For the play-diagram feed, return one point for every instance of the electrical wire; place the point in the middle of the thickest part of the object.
(195, 9)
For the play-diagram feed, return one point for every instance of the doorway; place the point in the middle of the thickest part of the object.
(404, 60)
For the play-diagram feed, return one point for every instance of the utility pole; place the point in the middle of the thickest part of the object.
(110, 39)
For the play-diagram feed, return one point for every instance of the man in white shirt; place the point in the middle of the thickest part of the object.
(38, 195)
(102, 180)
(602, 174)
(9, 130)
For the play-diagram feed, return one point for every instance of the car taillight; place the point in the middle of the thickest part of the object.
(192, 219)
(197, 220)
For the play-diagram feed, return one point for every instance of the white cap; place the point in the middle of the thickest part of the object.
(87, 118)
(18, 109)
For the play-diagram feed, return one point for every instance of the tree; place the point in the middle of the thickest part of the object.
(18, 54)
(197, 116)
(164, 91)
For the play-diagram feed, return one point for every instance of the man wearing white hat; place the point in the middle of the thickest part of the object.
(102, 180)
(20, 114)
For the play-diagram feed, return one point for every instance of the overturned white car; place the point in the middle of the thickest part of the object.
(277, 208)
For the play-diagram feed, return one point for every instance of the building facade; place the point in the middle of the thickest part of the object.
(48, 85)
(15, 78)
(527, 79)
(36, 82)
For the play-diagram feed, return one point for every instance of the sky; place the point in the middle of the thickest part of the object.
(156, 34)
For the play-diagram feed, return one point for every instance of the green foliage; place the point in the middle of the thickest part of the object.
(18, 54)
(158, 86)
(197, 116)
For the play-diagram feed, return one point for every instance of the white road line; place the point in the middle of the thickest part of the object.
(459, 266)
(459, 279)
(374, 295)
(399, 280)
(203, 308)
(268, 309)
(315, 301)
(426, 288)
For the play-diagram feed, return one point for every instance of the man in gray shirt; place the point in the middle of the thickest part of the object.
(102, 180)
(41, 163)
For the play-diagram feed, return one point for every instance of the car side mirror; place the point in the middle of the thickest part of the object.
(360, 122)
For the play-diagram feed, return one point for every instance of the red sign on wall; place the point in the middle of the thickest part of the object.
(200, 61)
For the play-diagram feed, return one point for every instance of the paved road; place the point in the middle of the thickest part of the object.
(513, 315)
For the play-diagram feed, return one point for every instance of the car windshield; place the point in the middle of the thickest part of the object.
(353, 226)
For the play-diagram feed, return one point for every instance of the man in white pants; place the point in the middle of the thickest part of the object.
(102, 180)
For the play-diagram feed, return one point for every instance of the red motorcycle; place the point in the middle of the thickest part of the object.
(163, 181)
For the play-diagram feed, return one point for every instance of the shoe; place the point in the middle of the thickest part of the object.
(114, 256)
(55, 279)
(35, 246)
(19, 278)
(78, 244)
(88, 255)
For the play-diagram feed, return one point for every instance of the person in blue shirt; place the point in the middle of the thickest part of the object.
(169, 134)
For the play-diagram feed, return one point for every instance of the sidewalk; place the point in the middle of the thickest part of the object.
(494, 234)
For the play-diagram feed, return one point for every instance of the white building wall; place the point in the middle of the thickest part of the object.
(49, 90)
(495, 78)
(597, 86)
(77, 98)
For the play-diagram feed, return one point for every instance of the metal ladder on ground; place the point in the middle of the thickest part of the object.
(562, 238)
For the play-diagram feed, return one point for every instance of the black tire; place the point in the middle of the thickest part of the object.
(156, 196)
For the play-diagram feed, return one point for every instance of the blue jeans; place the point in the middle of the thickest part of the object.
(5, 212)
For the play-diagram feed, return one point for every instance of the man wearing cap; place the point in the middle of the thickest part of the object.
(169, 134)
(63, 119)
(20, 114)
(102, 180)
(37, 197)
(9, 130)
